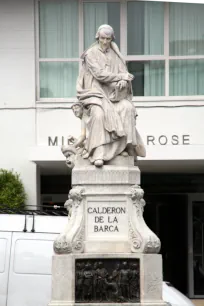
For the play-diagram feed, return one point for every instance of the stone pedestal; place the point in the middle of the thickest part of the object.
(106, 228)
(150, 279)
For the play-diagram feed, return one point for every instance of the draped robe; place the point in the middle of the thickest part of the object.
(109, 113)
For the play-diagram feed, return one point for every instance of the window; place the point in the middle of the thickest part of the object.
(163, 44)
(58, 48)
(186, 49)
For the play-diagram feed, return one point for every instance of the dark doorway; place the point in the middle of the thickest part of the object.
(166, 215)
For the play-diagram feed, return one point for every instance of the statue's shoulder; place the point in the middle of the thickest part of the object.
(93, 49)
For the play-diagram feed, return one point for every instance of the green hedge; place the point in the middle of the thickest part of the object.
(12, 193)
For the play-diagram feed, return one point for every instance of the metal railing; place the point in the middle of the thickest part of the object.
(40, 210)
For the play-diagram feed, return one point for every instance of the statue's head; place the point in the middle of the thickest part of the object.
(134, 266)
(88, 266)
(105, 35)
(100, 264)
(125, 265)
(70, 153)
(68, 204)
(77, 109)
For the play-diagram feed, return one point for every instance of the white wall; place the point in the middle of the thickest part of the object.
(17, 134)
(185, 124)
(17, 91)
(172, 121)
(17, 54)
(52, 122)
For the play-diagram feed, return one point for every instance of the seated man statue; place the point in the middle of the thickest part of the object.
(104, 92)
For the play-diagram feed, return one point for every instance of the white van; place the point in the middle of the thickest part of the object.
(26, 259)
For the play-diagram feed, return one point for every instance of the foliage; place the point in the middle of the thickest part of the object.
(12, 193)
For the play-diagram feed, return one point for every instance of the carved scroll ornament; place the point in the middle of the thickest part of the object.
(141, 237)
(71, 240)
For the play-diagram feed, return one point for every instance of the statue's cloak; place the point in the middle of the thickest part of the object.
(96, 85)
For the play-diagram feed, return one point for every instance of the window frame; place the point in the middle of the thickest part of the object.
(123, 48)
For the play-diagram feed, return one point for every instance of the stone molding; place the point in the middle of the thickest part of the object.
(108, 174)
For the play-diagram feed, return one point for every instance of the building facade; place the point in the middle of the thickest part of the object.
(163, 44)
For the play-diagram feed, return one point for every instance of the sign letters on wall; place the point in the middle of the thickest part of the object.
(151, 140)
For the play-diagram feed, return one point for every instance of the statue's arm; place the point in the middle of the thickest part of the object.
(99, 72)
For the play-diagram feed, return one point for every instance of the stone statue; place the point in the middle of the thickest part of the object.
(88, 283)
(99, 281)
(124, 280)
(79, 281)
(134, 281)
(105, 107)
(101, 276)
(108, 129)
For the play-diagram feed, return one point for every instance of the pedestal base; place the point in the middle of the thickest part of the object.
(59, 303)
(107, 254)
(64, 279)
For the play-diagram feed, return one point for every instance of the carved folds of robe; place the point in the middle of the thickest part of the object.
(109, 113)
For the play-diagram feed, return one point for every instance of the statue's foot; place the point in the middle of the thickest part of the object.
(85, 155)
(124, 153)
(98, 163)
(130, 150)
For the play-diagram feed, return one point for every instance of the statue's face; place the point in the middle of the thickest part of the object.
(78, 111)
(100, 264)
(125, 264)
(104, 40)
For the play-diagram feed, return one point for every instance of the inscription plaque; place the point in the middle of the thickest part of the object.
(107, 220)
(107, 280)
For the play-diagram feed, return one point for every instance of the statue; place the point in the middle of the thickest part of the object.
(124, 280)
(101, 276)
(105, 103)
(88, 283)
(79, 281)
(98, 281)
(134, 281)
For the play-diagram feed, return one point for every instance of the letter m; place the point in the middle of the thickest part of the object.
(51, 142)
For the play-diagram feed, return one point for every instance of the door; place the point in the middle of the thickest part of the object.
(167, 216)
(30, 269)
(5, 248)
(196, 245)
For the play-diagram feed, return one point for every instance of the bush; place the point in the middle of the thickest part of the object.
(12, 193)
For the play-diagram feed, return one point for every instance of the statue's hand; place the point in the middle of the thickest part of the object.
(71, 140)
(80, 150)
(78, 144)
(127, 76)
(121, 84)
